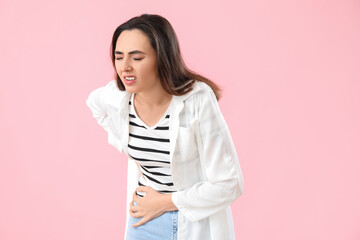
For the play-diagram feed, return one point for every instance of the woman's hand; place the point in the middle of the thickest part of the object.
(152, 205)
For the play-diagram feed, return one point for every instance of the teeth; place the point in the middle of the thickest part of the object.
(130, 78)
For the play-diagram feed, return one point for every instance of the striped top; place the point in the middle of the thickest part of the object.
(150, 148)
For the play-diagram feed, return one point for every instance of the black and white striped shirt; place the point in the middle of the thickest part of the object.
(150, 148)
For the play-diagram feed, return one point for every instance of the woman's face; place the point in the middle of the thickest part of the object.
(135, 62)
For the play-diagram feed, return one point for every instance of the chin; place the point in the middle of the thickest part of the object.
(130, 89)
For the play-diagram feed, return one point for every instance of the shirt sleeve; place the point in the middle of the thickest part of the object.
(96, 101)
(223, 182)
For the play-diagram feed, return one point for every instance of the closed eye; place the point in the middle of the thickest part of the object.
(136, 59)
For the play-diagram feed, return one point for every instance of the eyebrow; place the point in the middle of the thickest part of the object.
(132, 52)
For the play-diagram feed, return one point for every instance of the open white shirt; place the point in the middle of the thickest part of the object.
(204, 163)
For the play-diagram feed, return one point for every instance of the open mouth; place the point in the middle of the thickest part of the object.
(128, 80)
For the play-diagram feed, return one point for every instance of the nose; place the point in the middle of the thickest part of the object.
(126, 66)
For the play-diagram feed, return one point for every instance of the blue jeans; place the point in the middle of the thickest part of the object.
(162, 227)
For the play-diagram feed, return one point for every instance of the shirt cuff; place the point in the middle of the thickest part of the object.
(185, 212)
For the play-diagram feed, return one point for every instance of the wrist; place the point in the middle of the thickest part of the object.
(168, 203)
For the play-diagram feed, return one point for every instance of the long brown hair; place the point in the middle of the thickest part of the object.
(175, 77)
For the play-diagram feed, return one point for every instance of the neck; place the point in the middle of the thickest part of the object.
(154, 97)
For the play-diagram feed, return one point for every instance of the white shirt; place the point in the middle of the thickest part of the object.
(204, 163)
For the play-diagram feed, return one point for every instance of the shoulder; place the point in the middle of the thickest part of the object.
(203, 85)
(115, 97)
(200, 98)
(201, 92)
(112, 88)
(109, 87)
(110, 94)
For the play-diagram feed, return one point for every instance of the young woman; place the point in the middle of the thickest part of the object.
(183, 169)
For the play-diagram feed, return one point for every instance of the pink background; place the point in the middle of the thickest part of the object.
(291, 79)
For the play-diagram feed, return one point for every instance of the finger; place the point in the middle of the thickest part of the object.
(136, 214)
(134, 208)
(141, 222)
(142, 189)
(135, 197)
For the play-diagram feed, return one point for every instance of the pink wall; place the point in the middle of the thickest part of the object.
(291, 75)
